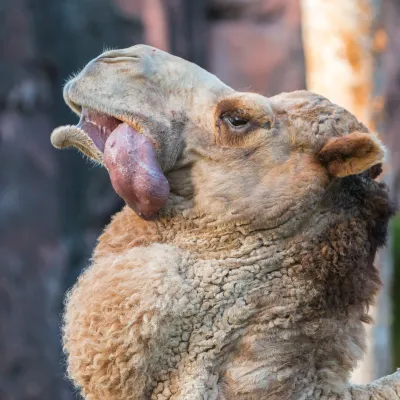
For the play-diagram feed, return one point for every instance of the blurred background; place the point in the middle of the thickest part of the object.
(53, 204)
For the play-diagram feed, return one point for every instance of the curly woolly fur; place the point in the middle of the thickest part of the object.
(255, 279)
(249, 318)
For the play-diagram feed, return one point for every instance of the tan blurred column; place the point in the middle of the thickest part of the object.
(343, 40)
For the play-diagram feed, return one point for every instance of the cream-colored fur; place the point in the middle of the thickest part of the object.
(255, 278)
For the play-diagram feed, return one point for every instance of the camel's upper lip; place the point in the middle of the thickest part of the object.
(93, 110)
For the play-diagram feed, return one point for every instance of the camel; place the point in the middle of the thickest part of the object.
(241, 266)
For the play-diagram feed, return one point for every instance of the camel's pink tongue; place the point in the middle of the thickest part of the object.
(134, 171)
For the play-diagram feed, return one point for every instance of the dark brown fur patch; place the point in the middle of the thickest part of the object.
(340, 262)
(374, 171)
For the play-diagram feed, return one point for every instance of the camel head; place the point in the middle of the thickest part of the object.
(172, 135)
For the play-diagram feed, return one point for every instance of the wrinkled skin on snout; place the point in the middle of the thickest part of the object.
(245, 269)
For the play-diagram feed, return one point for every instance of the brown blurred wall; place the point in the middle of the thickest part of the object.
(53, 205)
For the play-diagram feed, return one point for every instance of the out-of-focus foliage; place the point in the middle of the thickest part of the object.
(396, 291)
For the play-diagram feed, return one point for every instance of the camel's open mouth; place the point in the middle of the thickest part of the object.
(98, 126)
(128, 155)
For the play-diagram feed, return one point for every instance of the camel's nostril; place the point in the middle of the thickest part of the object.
(118, 59)
(113, 56)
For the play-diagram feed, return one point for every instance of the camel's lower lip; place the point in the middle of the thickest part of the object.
(98, 126)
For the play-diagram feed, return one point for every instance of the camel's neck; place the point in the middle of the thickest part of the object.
(291, 308)
(302, 303)
(298, 336)
(299, 303)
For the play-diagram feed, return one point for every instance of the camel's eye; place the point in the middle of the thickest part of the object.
(236, 121)
(233, 127)
(267, 125)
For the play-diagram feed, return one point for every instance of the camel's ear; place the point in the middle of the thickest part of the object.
(352, 154)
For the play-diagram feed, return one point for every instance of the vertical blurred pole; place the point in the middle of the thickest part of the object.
(343, 41)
